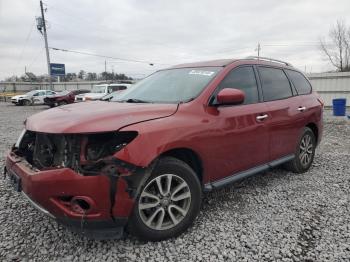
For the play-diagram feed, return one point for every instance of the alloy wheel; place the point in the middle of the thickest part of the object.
(306, 150)
(164, 202)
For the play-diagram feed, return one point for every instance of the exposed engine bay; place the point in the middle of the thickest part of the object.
(83, 153)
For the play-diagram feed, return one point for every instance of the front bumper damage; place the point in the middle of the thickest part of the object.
(97, 206)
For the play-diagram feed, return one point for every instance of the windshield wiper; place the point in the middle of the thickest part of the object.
(135, 100)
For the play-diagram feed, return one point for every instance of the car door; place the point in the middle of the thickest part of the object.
(242, 139)
(285, 120)
(38, 98)
(309, 104)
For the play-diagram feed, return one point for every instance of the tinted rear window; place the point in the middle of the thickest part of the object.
(302, 86)
(275, 84)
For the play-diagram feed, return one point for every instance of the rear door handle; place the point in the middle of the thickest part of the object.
(301, 108)
(261, 117)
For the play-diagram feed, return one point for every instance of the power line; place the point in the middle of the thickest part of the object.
(104, 56)
(309, 43)
(36, 57)
(68, 13)
(25, 45)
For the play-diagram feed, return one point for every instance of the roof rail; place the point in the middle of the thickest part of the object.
(268, 59)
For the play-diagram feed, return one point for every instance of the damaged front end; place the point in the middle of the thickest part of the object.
(77, 179)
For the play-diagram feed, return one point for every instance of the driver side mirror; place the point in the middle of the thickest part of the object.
(230, 96)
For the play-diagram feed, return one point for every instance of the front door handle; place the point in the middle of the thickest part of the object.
(261, 117)
(301, 108)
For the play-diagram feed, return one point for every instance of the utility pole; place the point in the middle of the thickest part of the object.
(106, 69)
(46, 43)
(259, 48)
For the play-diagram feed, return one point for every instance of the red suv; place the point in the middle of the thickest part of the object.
(143, 161)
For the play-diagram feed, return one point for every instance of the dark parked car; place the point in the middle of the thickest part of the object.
(64, 97)
(142, 162)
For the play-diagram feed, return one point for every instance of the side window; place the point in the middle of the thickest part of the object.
(42, 93)
(301, 84)
(117, 88)
(242, 78)
(49, 93)
(275, 84)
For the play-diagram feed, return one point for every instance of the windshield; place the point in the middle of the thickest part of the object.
(98, 89)
(170, 86)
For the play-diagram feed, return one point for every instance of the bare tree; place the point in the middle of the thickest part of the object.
(338, 52)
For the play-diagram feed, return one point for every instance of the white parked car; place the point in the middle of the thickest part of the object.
(99, 91)
(34, 97)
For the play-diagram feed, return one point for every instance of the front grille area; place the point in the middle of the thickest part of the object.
(80, 152)
(49, 150)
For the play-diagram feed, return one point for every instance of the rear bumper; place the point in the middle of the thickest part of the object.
(54, 193)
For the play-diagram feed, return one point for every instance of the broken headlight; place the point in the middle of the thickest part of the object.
(106, 144)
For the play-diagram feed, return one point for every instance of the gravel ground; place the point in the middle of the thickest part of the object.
(275, 216)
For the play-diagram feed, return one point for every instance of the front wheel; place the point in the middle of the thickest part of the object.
(27, 102)
(304, 154)
(168, 203)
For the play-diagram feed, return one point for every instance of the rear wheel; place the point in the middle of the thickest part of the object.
(168, 203)
(304, 154)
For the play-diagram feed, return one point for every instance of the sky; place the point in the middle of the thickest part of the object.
(164, 33)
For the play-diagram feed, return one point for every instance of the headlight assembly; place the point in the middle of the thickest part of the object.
(106, 144)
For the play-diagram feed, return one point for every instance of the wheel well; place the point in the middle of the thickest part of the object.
(314, 129)
(189, 157)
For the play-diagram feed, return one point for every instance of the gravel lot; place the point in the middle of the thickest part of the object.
(275, 216)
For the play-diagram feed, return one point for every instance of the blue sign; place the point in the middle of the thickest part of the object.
(57, 69)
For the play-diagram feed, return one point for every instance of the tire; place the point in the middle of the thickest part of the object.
(174, 222)
(26, 103)
(304, 154)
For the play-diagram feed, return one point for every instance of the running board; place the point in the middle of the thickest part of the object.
(244, 174)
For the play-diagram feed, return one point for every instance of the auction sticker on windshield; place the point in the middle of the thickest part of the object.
(201, 72)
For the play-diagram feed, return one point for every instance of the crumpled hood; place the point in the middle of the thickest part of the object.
(96, 116)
